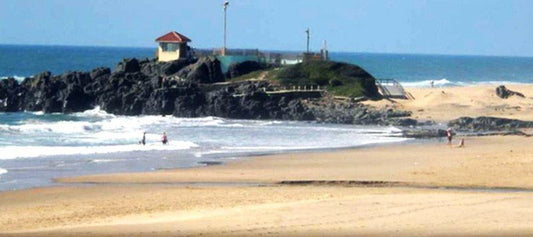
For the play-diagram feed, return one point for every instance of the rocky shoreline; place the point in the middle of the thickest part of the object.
(198, 88)
(181, 88)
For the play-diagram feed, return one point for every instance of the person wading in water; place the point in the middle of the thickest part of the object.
(164, 139)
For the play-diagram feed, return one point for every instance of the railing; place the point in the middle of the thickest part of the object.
(384, 83)
(387, 81)
(302, 88)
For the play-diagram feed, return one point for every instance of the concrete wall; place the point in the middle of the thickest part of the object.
(168, 55)
(165, 56)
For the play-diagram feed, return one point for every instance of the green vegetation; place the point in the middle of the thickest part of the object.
(340, 79)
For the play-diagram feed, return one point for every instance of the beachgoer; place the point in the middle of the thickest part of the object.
(164, 139)
(461, 143)
(143, 141)
(432, 83)
(449, 135)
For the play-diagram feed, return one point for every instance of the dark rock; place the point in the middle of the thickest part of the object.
(488, 124)
(404, 122)
(128, 66)
(205, 70)
(186, 89)
(424, 133)
(11, 95)
(172, 67)
(505, 93)
(100, 72)
(239, 69)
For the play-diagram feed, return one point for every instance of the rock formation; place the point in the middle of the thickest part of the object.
(183, 88)
(488, 124)
(505, 93)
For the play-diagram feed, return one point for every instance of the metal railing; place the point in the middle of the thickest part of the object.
(386, 82)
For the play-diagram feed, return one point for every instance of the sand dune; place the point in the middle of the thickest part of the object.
(444, 104)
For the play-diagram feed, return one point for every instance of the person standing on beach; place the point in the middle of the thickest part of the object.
(432, 83)
(449, 135)
(143, 141)
(164, 139)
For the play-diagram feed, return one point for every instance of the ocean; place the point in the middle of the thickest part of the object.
(37, 147)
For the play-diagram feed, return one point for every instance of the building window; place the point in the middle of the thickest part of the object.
(168, 47)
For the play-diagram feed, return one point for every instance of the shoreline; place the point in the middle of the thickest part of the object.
(239, 170)
(421, 188)
(138, 203)
(227, 157)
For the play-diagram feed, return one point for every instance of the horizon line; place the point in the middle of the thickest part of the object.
(274, 50)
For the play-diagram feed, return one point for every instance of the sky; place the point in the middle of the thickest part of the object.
(457, 27)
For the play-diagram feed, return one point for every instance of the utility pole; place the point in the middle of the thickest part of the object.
(307, 32)
(226, 3)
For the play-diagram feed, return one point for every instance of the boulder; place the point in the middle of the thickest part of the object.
(205, 70)
(239, 69)
(172, 67)
(128, 65)
(76, 100)
(504, 93)
(488, 124)
(11, 95)
(100, 72)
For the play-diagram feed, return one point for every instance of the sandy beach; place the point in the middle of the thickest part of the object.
(447, 103)
(419, 189)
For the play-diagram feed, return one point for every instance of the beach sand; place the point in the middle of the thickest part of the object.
(419, 189)
(447, 103)
(442, 191)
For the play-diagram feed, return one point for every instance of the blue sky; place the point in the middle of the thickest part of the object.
(466, 27)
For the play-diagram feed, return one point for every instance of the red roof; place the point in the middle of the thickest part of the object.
(174, 37)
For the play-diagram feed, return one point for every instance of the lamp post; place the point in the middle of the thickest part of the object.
(307, 32)
(226, 3)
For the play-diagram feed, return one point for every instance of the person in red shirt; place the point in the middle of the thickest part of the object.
(164, 139)
(449, 135)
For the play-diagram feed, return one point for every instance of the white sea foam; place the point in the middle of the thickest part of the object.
(427, 83)
(106, 160)
(446, 83)
(18, 78)
(38, 113)
(13, 152)
(96, 112)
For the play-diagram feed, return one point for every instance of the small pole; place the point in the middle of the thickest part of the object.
(226, 3)
(307, 32)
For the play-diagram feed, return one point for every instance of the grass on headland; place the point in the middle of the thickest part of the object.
(339, 79)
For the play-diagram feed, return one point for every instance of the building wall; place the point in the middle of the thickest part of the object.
(167, 56)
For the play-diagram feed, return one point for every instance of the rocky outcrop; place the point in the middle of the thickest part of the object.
(206, 70)
(504, 93)
(342, 78)
(488, 124)
(239, 69)
(181, 88)
(354, 113)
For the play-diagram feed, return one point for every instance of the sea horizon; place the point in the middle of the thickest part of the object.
(410, 69)
(279, 50)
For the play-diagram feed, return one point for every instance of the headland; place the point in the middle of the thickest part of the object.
(428, 189)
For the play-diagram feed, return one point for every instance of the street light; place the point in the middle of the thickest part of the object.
(307, 32)
(226, 3)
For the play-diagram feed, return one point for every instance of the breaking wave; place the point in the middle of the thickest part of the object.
(446, 83)
(13, 152)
